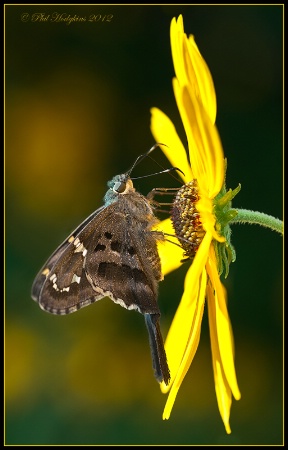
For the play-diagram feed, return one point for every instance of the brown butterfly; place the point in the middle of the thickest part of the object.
(113, 253)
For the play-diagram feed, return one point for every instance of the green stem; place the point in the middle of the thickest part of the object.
(255, 217)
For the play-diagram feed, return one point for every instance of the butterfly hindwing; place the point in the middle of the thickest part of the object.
(115, 263)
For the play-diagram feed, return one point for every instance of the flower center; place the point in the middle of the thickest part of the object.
(186, 218)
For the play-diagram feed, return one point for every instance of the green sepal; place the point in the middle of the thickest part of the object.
(225, 252)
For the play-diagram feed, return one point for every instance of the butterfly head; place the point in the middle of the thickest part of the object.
(119, 185)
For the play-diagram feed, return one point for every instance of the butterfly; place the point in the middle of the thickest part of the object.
(113, 253)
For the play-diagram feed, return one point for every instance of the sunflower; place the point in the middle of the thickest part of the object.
(210, 205)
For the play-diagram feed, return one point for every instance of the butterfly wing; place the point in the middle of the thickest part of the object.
(60, 287)
(123, 264)
(120, 263)
(94, 262)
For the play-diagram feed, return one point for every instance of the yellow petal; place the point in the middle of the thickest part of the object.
(184, 318)
(224, 330)
(205, 148)
(223, 391)
(199, 73)
(192, 344)
(170, 254)
(164, 131)
(190, 68)
(177, 37)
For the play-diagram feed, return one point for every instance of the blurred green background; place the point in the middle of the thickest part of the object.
(77, 113)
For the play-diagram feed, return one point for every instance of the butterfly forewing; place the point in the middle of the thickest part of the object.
(63, 259)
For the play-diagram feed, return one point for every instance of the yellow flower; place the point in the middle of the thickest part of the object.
(196, 100)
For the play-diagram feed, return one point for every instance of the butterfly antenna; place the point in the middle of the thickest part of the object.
(158, 173)
(166, 170)
(141, 157)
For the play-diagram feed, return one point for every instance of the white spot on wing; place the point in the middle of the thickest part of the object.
(53, 278)
(76, 279)
(79, 247)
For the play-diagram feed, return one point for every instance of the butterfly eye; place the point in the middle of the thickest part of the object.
(119, 187)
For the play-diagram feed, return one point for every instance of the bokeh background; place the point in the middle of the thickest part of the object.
(77, 113)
